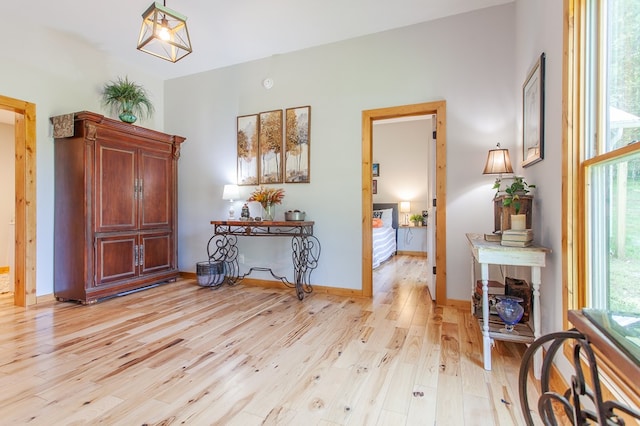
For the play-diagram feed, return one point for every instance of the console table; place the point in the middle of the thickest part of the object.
(489, 252)
(616, 337)
(222, 247)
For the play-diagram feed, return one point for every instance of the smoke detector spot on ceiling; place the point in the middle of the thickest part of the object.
(267, 83)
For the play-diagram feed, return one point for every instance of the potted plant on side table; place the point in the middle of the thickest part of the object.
(416, 219)
(512, 200)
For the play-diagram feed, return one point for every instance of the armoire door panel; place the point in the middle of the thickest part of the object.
(157, 252)
(116, 181)
(156, 187)
(116, 258)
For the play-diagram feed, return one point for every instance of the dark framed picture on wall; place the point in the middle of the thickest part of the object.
(533, 114)
(247, 150)
(374, 187)
(376, 169)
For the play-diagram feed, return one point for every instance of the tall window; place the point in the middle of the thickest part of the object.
(610, 146)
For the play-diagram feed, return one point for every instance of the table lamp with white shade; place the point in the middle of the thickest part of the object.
(231, 192)
(405, 207)
(498, 163)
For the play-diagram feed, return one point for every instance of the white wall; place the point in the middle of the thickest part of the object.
(467, 60)
(401, 149)
(59, 74)
(533, 39)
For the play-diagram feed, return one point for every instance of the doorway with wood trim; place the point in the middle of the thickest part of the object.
(438, 109)
(25, 199)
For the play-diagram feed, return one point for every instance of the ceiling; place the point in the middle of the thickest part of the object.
(227, 32)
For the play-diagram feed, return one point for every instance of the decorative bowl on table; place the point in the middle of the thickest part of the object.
(510, 312)
(294, 215)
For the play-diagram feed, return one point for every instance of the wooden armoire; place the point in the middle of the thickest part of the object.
(115, 207)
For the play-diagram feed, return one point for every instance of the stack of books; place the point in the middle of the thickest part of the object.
(494, 287)
(514, 238)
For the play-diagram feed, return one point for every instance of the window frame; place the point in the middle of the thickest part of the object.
(579, 157)
(576, 163)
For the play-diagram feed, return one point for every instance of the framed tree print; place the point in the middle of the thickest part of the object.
(247, 150)
(297, 147)
(533, 115)
(270, 147)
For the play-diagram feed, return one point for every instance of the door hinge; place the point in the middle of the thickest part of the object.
(434, 134)
(434, 270)
(433, 202)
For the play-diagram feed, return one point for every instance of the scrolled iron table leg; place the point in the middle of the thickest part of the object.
(223, 248)
(305, 254)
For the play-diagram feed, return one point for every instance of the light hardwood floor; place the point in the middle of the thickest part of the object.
(182, 354)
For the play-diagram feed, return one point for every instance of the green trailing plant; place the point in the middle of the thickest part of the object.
(127, 99)
(513, 192)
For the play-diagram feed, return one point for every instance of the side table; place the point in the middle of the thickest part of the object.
(305, 247)
(489, 252)
(412, 240)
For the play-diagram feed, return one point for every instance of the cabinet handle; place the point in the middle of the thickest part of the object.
(141, 255)
(135, 255)
(135, 189)
(140, 188)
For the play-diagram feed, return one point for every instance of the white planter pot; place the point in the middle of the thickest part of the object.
(518, 222)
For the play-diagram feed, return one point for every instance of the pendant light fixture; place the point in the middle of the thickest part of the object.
(164, 33)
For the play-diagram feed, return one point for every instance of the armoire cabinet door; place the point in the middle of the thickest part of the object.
(157, 252)
(115, 182)
(155, 190)
(116, 258)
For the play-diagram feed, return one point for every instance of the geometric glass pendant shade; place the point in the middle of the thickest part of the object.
(164, 33)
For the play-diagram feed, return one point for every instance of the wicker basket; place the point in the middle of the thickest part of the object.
(210, 273)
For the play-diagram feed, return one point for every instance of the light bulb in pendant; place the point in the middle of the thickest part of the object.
(164, 30)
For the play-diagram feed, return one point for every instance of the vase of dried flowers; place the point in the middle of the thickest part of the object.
(268, 198)
(269, 211)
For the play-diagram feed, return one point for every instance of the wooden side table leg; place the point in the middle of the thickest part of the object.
(535, 284)
(486, 339)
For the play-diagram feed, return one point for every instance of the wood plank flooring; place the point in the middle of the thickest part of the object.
(183, 354)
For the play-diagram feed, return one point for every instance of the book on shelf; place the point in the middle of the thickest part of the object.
(494, 287)
(517, 232)
(508, 243)
(511, 235)
(516, 238)
(477, 305)
(493, 237)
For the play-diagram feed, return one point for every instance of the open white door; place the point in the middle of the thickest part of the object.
(431, 220)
